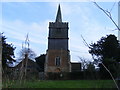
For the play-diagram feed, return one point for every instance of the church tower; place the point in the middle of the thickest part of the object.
(58, 55)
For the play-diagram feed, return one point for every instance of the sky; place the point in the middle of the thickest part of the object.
(32, 18)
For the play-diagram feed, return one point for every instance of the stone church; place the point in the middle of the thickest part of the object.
(58, 54)
(57, 58)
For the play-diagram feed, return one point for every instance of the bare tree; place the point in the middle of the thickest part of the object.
(84, 63)
(30, 53)
(25, 54)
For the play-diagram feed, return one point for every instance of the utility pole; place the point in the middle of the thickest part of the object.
(119, 21)
(0, 60)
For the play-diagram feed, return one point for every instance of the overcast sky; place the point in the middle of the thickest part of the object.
(20, 18)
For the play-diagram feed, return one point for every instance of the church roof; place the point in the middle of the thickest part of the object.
(59, 16)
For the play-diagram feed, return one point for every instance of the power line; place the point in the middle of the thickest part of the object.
(78, 51)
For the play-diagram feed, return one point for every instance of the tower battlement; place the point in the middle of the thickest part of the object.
(58, 24)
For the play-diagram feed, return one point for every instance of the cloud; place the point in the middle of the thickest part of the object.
(82, 21)
(17, 30)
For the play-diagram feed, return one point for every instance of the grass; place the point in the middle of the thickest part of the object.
(60, 84)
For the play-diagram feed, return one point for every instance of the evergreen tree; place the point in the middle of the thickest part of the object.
(7, 52)
(106, 50)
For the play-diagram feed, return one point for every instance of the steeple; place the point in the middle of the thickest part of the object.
(58, 54)
(59, 17)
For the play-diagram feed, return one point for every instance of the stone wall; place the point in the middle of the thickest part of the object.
(65, 65)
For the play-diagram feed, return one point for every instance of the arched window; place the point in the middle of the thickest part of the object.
(57, 61)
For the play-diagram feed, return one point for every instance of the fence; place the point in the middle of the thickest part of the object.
(83, 75)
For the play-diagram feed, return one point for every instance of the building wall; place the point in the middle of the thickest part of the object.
(58, 30)
(58, 47)
(23, 70)
(65, 65)
(76, 67)
(58, 44)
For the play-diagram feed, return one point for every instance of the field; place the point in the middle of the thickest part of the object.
(60, 84)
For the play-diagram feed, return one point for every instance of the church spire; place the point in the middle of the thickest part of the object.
(59, 17)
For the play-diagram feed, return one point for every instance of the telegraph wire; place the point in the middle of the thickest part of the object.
(78, 51)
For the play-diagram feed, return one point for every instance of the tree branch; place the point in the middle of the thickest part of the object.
(110, 75)
(101, 63)
(84, 41)
(108, 14)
